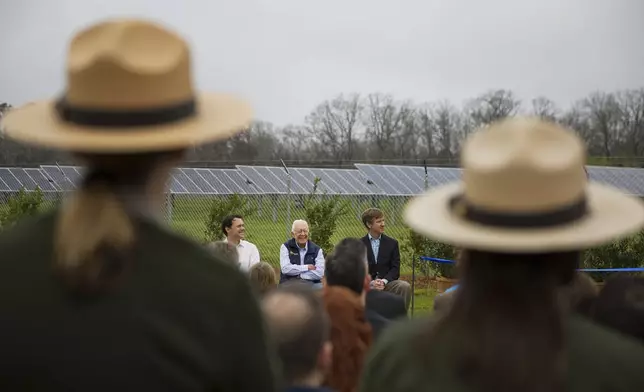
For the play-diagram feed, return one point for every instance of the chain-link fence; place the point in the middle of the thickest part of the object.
(268, 218)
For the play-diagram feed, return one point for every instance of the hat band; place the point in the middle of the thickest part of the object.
(124, 118)
(559, 216)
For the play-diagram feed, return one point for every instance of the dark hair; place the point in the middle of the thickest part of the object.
(345, 265)
(506, 325)
(620, 306)
(299, 337)
(227, 222)
(369, 215)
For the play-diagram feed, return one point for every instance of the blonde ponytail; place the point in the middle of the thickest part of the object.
(93, 235)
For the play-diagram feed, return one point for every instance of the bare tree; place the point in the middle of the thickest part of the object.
(334, 125)
(545, 108)
(385, 122)
(440, 128)
(604, 114)
(631, 103)
(492, 106)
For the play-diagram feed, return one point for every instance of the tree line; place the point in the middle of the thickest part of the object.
(379, 128)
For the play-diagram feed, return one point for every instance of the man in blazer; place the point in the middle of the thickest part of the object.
(383, 255)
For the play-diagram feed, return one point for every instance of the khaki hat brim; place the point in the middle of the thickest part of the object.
(219, 117)
(612, 215)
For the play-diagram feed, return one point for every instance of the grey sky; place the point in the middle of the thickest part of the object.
(288, 55)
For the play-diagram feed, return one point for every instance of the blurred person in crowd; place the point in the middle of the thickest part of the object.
(115, 301)
(383, 254)
(521, 216)
(581, 294)
(301, 258)
(347, 267)
(224, 251)
(620, 306)
(351, 335)
(262, 277)
(299, 327)
(234, 230)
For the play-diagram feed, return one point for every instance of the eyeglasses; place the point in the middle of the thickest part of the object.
(301, 231)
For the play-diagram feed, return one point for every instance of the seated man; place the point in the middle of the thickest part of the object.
(383, 255)
(300, 329)
(300, 258)
(234, 230)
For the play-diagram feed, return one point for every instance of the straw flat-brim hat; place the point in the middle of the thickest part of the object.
(524, 190)
(129, 89)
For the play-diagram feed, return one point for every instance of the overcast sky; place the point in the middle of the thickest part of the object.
(288, 55)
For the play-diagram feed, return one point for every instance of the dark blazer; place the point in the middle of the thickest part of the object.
(180, 320)
(388, 266)
(388, 305)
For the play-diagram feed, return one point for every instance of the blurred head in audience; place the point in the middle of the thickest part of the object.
(299, 327)
(225, 252)
(346, 266)
(262, 277)
(233, 228)
(300, 231)
(620, 306)
(374, 220)
(581, 293)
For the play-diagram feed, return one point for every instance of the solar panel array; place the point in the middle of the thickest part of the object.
(386, 180)
(274, 180)
(410, 180)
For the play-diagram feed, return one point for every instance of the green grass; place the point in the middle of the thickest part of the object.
(269, 226)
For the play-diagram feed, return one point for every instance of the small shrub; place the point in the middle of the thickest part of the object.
(322, 214)
(21, 205)
(625, 253)
(418, 245)
(222, 207)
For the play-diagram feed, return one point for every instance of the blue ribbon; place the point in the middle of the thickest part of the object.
(634, 269)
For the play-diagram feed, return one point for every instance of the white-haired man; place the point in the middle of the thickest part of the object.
(300, 258)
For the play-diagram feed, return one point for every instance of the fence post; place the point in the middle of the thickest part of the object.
(169, 205)
(413, 282)
(288, 199)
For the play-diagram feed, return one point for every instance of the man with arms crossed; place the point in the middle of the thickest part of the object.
(383, 255)
(233, 228)
(300, 258)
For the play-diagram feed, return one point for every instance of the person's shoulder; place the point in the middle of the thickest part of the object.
(249, 244)
(605, 353)
(29, 230)
(389, 239)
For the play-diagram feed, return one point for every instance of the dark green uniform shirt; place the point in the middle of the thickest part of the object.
(598, 360)
(179, 321)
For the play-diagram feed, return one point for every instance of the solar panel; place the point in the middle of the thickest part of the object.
(410, 180)
(628, 180)
(195, 177)
(59, 177)
(384, 179)
(45, 184)
(10, 180)
(235, 181)
(27, 182)
(266, 181)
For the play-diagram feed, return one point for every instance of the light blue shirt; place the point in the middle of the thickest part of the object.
(375, 247)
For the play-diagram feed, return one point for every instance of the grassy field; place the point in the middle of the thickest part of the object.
(268, 227)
